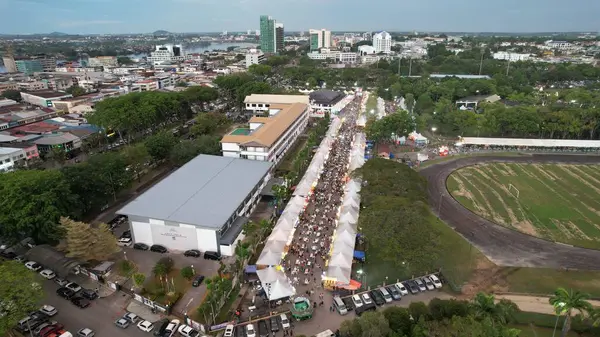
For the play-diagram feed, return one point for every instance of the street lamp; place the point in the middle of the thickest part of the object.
(557, 306)
(433, 129)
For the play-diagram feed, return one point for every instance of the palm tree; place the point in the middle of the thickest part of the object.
(485, 305)
(566, 301)
(242, 252)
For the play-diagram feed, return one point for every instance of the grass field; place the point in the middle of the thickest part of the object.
(371, 103)
(553, 201)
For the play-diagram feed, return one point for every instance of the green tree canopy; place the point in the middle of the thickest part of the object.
(76, 90)
(21, 294)
(160, 145)
(15, 95)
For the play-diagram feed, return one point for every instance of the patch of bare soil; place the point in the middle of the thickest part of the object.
(487, 277)
(568, 170)
(494, 215)
(526, 227)
(578, 232)
(545, 173)
(508, 169)
(464, 192)
(563, 229)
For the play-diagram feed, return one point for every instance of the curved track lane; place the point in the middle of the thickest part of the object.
(504, 246)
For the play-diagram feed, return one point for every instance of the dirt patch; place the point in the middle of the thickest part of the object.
(545, 173)
(511, 215)
(526, 227)
(566, 168)
(579, 233)
(509, 171)
(487, 277)
(587, 176)
(563, 229)
(464, 192)
(495, 216)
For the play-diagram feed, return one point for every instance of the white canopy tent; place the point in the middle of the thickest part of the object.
(350, 202)
(347, 235)
(340, 274)
(348, 217)
(269, 258)
(275, 283)
(340, 260)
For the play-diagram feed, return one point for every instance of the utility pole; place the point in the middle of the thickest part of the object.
(508, 65)
(481, 61)
(399, 63)
(410, 66)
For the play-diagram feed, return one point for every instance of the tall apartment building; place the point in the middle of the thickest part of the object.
(48, 63)
(9, 64)
(319, 38)
(167, 54)
(271, 35)
(382, 42)
(28, 67)
(254, 56)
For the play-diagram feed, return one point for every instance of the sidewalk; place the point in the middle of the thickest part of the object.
(537, 304)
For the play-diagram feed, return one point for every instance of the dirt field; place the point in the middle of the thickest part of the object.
(558, 202)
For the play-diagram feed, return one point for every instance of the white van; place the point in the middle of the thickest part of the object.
(285, 324)
(339, 305)
(326, 333)
(386, 295)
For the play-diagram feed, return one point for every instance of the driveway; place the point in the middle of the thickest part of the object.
(99, 316)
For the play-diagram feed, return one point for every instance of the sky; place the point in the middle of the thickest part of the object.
(145, 16)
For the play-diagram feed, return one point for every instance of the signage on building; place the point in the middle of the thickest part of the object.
(317, 113)
(174, 234)
(49, 103)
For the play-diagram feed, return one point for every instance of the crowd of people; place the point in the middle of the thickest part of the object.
(305, 261)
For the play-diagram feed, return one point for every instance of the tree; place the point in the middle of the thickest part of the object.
(200, 95)
(369, 324)
(242, 253)
(110, 168)
(565, 302)
(187, 150)
(58, 155)
(139, 279)
(125, 60)
(462, 326)
(76, 90)
(136, 156)
(210, 123)
(418, 310)
(399, 320)
(15, 95)
(262, 71)
(21, 294)
(160, 145)
(31, 204)
(163, 266)
(485, 305)
(87, 243)
(187, 272)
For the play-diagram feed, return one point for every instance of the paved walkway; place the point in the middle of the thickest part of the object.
(535, 304)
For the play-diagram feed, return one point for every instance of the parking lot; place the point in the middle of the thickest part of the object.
(99, 316)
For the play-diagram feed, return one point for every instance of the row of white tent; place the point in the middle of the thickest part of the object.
(275, 283)
(342, 253)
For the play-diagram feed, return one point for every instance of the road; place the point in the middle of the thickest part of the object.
(99, 316)
(503, 246)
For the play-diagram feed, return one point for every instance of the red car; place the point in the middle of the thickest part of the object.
(51, 329)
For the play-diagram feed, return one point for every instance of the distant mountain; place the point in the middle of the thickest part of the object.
(161, 32)
(57, 34)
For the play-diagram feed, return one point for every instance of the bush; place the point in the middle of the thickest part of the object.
(440, 309)
(139, 279)
(126, 267)
(163, 266)
(418, 310)
(168, 262)
(187, 272)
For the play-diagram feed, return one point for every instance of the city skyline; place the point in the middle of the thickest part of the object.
(144, 16)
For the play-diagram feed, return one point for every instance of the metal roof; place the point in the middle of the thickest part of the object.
(530, 142)
(205, 192)
(276, 99)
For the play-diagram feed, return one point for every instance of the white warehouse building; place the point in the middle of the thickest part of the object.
(203, 205)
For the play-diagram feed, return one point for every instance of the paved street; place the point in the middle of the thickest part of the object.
(99, 316)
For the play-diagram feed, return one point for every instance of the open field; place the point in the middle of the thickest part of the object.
(557, 202)
(371, 103)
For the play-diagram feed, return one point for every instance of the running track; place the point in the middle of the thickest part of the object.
(504, 246)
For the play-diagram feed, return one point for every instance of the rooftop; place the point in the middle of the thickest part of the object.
(326, 96)
(276, 99)
(56, 138)
(272, 128)
(205, 192)
(8, 150)
(47, 94)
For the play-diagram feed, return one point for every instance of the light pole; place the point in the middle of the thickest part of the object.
(433, 129)
(558, 307)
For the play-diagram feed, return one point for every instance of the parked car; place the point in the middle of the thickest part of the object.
(73, 286)
(428, 284)
(240, 331)
(145, 326)
(212, 256)
(160, 327)
(126, 234)
(80, 302)
(274, 323)
(89, 294)
(356, 301)
(420, 284)
(140, 246)
(377, 297)
(366, 298)
(348, 303)
(86, 332)
(401, 288)
(48, 274)
(158, 249)
(285, 323)
(192, 253)
(8, 254)
(48, 310)
(60, 281)
(38, 329)
(197, 281)
(250, 332)
(125, 242)
(412, 286)
(187, 331)
(65, 293)
(171, 328)
(32, 265)
(394, 292)
(263, 330)
(435, 280)
(130, 316)
(49, 330)
(122, 323)
(228, 330)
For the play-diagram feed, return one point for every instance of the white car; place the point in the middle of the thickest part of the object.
(125, 242)
(187, 331)
(73, 286)
(402, 289)
(250, 332)
(366, 298)
(428, 283)
(420, 284)
(171, 328)
(285, 323)
(86, 332)
(357, 301)
(48, 310)
(48, 274)
(130, 316)
(229, 330)
(145, 326)
(32, 265)
(61, 282)
(436, 281)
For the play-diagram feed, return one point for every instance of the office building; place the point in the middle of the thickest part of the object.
(9, 157)
(279, 44)
(167, 54)
(48, 63)
(9, 64)
(43, 98)
(203, 205)
(28, 67)
(271, 134)
(254, 56)
(267, 34)
(319, 38)
(103, 61)
(382, 42)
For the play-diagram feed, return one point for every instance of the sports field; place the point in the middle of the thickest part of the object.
(558, 202)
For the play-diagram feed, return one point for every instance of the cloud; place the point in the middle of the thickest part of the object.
(89, 23)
